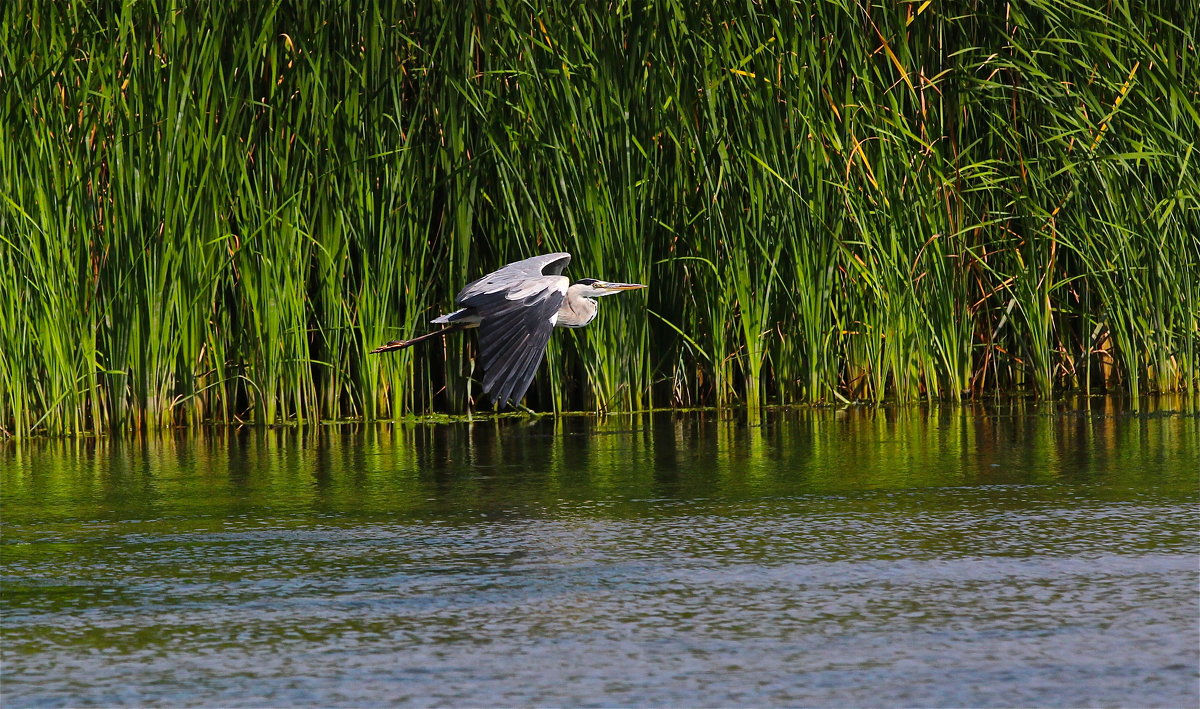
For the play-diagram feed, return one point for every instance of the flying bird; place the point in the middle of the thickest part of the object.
(516, 308)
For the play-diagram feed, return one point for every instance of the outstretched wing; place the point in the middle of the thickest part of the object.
(513, 275)
(517, 309)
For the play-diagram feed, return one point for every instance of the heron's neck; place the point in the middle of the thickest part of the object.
(576, 310)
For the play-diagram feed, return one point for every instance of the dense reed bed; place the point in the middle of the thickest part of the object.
(211, 211)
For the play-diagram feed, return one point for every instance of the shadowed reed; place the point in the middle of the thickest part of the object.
(212, 212)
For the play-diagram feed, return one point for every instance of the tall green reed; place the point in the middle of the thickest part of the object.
(211, 213)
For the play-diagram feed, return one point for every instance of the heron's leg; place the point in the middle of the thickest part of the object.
(401, 344)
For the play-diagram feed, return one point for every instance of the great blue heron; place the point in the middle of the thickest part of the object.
(516, 308)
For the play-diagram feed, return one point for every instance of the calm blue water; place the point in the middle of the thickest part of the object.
(946, 557)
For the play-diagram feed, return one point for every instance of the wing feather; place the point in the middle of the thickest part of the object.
(513, 277)
(514, 327)
(509, 373)
(520, 374)
(500, 363)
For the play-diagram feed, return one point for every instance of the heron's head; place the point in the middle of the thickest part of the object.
(592, 288)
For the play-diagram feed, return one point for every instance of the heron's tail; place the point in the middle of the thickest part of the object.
(401, 344)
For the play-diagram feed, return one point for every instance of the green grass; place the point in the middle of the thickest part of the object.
(211, 212)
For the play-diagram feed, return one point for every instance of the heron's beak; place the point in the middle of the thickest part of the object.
(617, 287)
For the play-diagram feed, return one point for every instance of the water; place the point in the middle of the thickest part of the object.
(944, 557)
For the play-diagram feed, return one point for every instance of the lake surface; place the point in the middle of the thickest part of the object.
(960, 556)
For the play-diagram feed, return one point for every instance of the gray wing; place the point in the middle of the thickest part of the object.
(514, 274)
(514, 326)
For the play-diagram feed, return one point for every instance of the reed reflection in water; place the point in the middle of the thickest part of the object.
(1025, 554)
